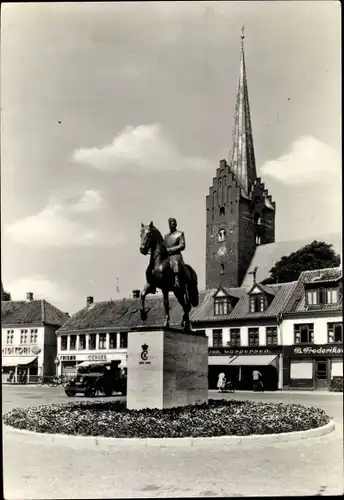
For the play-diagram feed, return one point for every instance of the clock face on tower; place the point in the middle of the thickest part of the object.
(222, 250)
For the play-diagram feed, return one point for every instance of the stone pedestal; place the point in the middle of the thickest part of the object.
(166, 368)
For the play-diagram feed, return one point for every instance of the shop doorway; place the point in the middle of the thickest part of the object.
(321, 374)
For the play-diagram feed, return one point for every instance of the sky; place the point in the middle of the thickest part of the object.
(113, 114)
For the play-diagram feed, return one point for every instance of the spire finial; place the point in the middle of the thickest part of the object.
(242, 33)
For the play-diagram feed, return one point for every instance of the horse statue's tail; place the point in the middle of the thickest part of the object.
(192, 287)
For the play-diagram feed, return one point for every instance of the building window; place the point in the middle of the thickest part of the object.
(82, 342)
(322, 296)
(235, 337)
(123, 340)
(253, 336)
(335, 332)
(214, 199)
(113, 340)
(331, 296)
(221, 306)
(257, 303)
(92, 341)
(64, 343)
(217, 337)
(23, 336)
(33, 336)
(258, 239)
(9, 338)
(312, 297)
(72, 340)
(222, 269)
(102, 341)
(222, 211)
(271, 335)
(221, 235)
(304, 333)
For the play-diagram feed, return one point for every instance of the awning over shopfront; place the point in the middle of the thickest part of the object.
(254, 360)
(17, 360)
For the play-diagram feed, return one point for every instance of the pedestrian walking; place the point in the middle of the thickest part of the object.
(257, 379)
(221, 382)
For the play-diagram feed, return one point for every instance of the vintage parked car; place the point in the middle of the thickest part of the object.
(95, 378)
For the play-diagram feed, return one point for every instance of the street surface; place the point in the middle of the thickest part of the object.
(38, 470)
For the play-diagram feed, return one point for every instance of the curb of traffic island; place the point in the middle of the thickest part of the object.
(101, 442)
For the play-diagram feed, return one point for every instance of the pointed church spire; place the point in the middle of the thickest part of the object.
(242, 160)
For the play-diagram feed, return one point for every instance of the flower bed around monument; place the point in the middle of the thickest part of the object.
(218, 418)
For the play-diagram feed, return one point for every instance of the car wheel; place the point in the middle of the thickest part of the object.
(70, 394)
(90, 391)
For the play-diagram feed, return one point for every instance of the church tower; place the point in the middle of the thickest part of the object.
(240, 214)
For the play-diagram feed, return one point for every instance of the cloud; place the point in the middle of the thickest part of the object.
(146, 146)
(41, 287)
(54, 225)
(309, 160)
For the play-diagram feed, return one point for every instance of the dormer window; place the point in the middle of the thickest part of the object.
(321, 296)
(221, 306)
(258, 303)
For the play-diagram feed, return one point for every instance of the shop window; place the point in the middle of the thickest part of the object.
(258, 303)
(113, 340)
(123, 340)
(253, 337)
(92, 341)
(23, 336)
(335, 333)
(221, 236)
(72, 340)
(221, 306)
(9, 337)
(304, 333)
(33, 336)
(102, 341)
(235, 337)
(271, 335)
(82, 342)
(217, 337)
(64, 342)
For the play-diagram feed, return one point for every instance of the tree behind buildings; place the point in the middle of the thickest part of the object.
(316, 255)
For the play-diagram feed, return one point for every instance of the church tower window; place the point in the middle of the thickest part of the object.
(222, 270)
(222, 211)
(221, 235)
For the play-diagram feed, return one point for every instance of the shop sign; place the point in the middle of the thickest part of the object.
(66, 357)
(314, 350)
(97, 357)
(20, 350)
(242, 351)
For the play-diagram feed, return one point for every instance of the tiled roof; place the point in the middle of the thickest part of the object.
(296, 303)
(282, 293)
(18, 312)
(125, 314)
(267, 289)
(266, 256)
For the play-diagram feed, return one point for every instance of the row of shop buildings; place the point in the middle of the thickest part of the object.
(291, 332)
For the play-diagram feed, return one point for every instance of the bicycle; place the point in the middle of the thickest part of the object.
(258, 386)
(45, 380)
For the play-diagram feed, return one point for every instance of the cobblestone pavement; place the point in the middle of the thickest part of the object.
(35, 470)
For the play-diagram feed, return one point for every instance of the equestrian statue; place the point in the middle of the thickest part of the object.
(167, 270)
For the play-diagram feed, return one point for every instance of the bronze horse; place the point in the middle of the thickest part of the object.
(162, 276)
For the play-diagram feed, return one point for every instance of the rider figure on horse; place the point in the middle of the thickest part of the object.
(175, 244)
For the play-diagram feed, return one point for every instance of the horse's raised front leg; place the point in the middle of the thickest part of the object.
(146, 290)
(167, 307)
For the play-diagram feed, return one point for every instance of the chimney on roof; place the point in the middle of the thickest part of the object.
(89, 301)
(29, 296)
(136, 294)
